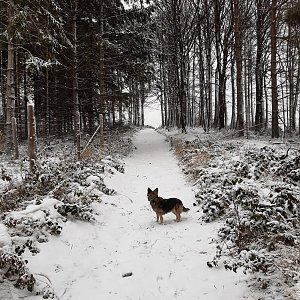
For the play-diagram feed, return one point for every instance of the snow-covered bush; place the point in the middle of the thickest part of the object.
(36, 206)
(14, 268)
(255, 191)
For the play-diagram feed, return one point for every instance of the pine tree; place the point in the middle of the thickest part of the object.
(33, 30)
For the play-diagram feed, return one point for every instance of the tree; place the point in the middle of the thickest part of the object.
(178, 35)
(26, 33)
(223, 43)
(262, 17)
(238, 58)
(75, 84)
(10, 94)
(275, 126)
(292, 18)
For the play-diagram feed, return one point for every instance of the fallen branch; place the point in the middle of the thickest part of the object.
(90, 141)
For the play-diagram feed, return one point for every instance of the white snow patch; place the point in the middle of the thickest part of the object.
(5, 239)
(92, 178)
(36, 211)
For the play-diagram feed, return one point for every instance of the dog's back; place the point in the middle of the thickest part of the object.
(167, 205)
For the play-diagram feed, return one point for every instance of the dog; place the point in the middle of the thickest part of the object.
(163, 206)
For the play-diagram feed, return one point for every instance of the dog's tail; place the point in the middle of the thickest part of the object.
(185, 209)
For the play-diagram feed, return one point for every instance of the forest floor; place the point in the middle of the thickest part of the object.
(122, 252)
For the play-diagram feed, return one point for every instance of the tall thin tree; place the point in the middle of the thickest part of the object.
(275, 125)
(75, 85)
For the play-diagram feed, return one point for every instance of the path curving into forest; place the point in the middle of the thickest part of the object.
(166, 261)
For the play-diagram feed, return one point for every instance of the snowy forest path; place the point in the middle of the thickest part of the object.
(166, 261)
(163, 262)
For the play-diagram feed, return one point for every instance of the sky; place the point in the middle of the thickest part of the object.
(153, 114)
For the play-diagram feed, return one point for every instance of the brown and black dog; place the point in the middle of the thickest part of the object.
(163, 206)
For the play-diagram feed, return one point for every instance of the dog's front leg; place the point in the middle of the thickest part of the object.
(157, 217)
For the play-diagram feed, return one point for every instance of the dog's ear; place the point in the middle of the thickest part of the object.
(156, 191)
(149, 190)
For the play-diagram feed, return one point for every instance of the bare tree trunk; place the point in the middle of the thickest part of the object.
(75, 85)
(259, 117)
(247, 101)
(137, 102)
(166, 104)
(193, 94)
(31, 136)
(101, 131)
(15, 137)
(250, 80)
(291, 71)
(163, 84)
(17, 106)
(298, 87)
(233, 106)
(142, 103)
(2, 89)
(202, 121)
(161, 101)
(10, 95)
(180, 63)
(101, 66)
(275, 127)
(47, 119)
(217, 106)
(16, 111)
(113, 112)
(182, 95)
(131, 110)
(208, 45)
(267, 106)
(222, 52)
(238, 57)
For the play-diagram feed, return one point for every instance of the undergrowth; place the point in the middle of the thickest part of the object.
(255, 193)
(61, 189)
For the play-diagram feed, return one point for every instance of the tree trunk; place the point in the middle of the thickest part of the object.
(101, 66)
(31, 136)
(2, 88)
(233, 106)
(238, 58)
(142, 103)
(259, 117)
(47, 114)
(75, 86)
(275, 127)
(10, 95)
(15, 137)
(25, 87)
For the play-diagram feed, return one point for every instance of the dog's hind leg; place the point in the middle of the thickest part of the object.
(176, 211)
(178, 217)
(161, 219)
(177, 214)
(179, 211)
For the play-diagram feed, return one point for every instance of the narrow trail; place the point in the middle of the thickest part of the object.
(166, 261)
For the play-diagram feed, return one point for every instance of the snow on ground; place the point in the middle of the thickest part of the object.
(93, 260)
(5, 239)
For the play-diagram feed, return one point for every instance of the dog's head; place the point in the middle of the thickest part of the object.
(152, 194)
